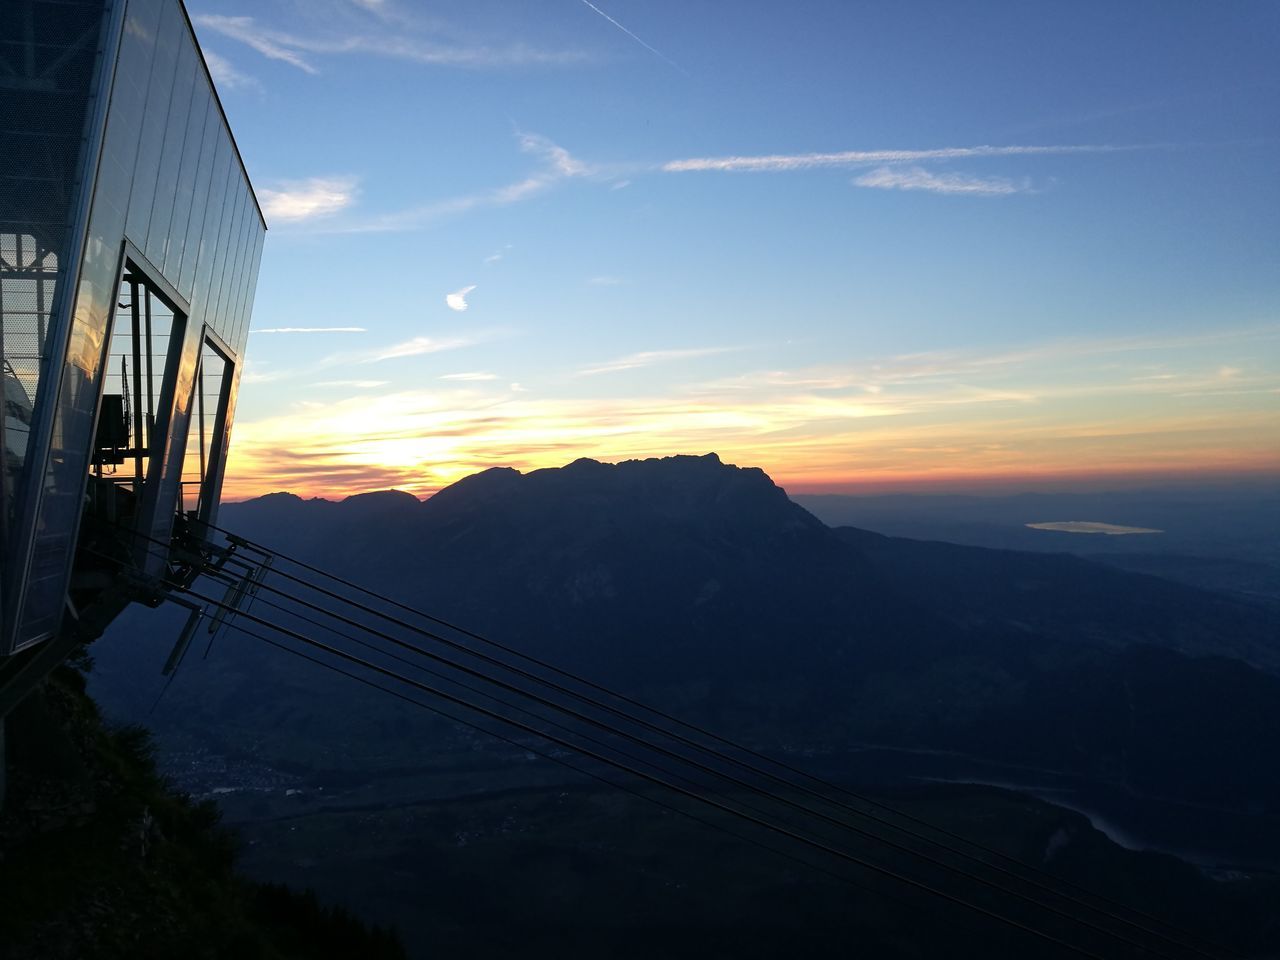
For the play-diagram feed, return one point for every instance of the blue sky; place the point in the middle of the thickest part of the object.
(851, 243)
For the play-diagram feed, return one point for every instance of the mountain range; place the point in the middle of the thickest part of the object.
(702, 587)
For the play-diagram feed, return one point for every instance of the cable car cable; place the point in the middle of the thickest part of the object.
(729, 777)
(260, 548)
(781, 830)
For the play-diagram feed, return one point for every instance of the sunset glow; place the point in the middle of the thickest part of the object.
(541, 237)
(1111, 408)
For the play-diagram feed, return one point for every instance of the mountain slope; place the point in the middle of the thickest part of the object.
(701, 586)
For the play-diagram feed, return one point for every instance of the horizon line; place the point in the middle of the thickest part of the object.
(957, 482)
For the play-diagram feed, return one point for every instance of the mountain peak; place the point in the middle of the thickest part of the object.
(702, 491)
(494, 483)
(278, 497)
(382, 498)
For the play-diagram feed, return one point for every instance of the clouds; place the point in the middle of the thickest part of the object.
(458, 299)
(556, 166)
(319, 198)
(225, 76)
(1052, 408)
(302, 368)
(917, 178)
(417, 346)
(781, 163)
(353, 384)
(421, 440)
(560, 163)
(649, 358)
(309, 330)
(371, 28)
(271, 44)
(900, 169)
(298, 200)
(895, 170)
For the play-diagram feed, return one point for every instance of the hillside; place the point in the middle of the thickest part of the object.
(701, 585)
(101, 858)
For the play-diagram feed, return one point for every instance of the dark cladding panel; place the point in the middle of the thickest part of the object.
(237, 199)
(137, 49)
(215, 205)
(246, 311)
(128, 101)
(251, 286)
(210, 141)
(151, 134)
(175, 138)
(237, 247)
(184, 191)
(235, 318)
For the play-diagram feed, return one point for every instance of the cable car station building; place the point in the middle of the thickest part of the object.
(130, 239)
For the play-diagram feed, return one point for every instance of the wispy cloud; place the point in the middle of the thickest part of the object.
(309, 330)
(254, 373)
(917, 178)
(957, 363)
(559, 161)
(354, 384)
(269, 43)
(458, 299)
(473, 376)
(382, 36)
(649, 358)
(225, 75)
(300, 200)
(604, 281)
(774, 163)
(558, 165)
(422, 345)
(657, 53)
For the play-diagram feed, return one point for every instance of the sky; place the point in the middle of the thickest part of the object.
(865, 246)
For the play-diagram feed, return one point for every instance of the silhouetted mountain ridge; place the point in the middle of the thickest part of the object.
(562, 529)
(701, 586)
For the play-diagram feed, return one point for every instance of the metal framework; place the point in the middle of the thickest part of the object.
(130, 240)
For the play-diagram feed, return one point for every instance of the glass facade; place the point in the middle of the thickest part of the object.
(50, 56)
(143, 227)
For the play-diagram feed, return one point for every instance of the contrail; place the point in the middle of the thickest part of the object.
(854, 158)
(656, 53)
